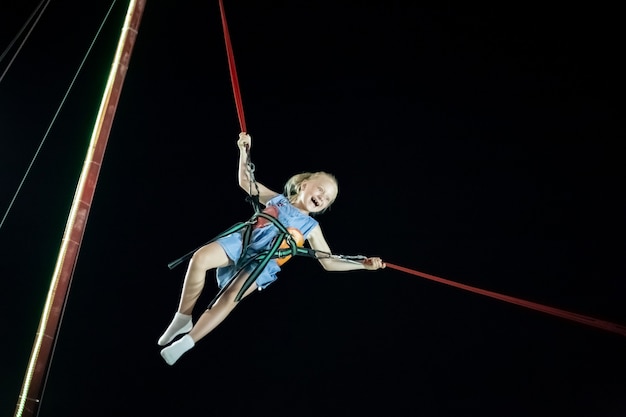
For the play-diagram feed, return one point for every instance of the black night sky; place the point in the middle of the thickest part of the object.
(477, 143)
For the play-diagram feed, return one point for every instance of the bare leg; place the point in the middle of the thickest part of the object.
(207, 257)
(209, 320)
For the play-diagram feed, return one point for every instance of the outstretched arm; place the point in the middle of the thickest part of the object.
(318, 242)
(245, 180)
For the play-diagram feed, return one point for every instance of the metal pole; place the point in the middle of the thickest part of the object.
(32, 390)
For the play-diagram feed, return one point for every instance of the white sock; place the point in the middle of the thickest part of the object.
(176, 349)
(181, 323)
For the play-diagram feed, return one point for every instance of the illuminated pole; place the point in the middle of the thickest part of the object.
(31, 393)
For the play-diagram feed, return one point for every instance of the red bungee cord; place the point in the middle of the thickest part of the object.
(233, 71)
(602, 324)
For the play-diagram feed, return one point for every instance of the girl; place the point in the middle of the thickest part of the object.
(305, 195)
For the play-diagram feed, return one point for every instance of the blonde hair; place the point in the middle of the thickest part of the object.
(292, 186)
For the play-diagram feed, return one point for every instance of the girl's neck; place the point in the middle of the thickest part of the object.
(300, 209)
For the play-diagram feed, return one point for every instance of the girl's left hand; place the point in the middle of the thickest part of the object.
(373, 264)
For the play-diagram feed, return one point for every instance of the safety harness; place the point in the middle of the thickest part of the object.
(284, 245)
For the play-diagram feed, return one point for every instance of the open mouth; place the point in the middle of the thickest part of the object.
(316, 202)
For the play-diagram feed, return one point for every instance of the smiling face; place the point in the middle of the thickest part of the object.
(316, 194)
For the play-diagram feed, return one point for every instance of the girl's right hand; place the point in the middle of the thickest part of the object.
(244, 142)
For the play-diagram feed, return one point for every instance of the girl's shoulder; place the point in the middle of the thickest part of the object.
(278, 200)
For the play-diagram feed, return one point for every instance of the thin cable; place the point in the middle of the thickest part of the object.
(233, 71)
(56, 115)
(25, 38)
(602, 324)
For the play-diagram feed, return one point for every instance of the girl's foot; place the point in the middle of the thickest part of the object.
(174, 351)
(181, 323)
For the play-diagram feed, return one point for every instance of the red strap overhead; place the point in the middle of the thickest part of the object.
(605, 325)
(546, 309)
(233, 71)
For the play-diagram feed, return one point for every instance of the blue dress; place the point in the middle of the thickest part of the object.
(261, 239)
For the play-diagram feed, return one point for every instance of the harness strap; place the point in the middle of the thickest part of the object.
(258, 269)
(264, 256)
(227, 232)
(247, 233)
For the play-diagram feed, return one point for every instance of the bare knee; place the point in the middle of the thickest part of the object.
(209, 257)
